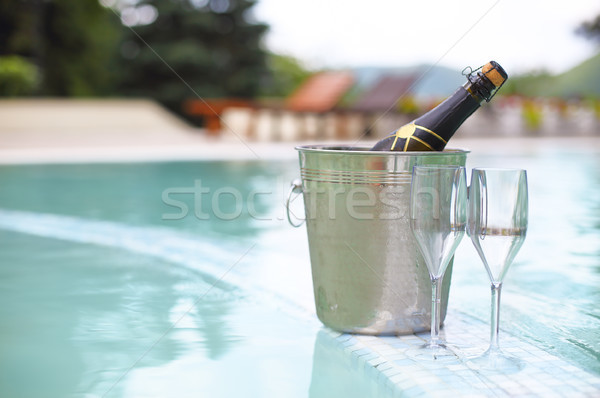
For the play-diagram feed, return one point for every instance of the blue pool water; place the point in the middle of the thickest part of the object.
(184, 279)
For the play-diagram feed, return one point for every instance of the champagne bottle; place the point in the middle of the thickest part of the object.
(431, 131)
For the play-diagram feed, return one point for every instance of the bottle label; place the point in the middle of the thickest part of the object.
(408, 132)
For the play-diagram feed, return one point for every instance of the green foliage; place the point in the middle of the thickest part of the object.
(583, 81)
(206, 48)
(80, 38)
(287, 73)
(71, 41)
(532, 115)
(18, 76)
(530, 84)
(193, 48)
(18, 22)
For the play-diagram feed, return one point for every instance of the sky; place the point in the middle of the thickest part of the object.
(521, 35)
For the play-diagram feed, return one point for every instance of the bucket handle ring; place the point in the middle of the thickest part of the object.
(295, 188)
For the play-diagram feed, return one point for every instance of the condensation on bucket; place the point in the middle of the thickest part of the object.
(368, 275)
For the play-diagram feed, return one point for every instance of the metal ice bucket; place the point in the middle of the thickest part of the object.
(368, 275)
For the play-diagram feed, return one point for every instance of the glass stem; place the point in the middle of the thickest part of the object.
(436, 293)
(495, 321)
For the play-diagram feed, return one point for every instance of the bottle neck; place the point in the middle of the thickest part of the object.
(447, 117)
(480, 87)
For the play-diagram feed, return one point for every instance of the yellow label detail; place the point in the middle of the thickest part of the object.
(423, 142)
(404, 132)
(407, 131)
(433, 134)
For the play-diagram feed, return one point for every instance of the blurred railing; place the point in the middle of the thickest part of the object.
(507, 118)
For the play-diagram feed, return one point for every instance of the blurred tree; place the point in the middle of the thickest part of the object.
(18, 76)
(590, 29)
(17, 26)
(287, 73)
(80, 47)
(180, 49)
(532, 83)
(578, 82)
(72, 42)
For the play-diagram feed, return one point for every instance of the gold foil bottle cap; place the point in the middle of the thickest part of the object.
(494, 72)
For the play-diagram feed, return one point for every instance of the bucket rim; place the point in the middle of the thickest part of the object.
(357, 150)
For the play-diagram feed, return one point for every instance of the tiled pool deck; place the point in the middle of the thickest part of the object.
(384, 359)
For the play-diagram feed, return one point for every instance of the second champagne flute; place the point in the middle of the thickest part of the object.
(438, 214)
(498, 212)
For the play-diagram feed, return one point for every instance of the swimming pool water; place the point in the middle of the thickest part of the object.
(110, 290)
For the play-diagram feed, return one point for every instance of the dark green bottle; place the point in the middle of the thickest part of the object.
(432, 131)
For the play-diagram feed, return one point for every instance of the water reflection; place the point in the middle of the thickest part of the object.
(217, 337)
(78, 318)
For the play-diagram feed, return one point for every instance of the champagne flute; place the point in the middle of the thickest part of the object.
(438, 215)
(497, 225)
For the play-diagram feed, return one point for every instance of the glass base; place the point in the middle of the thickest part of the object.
(430, 352)
(495, 360)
